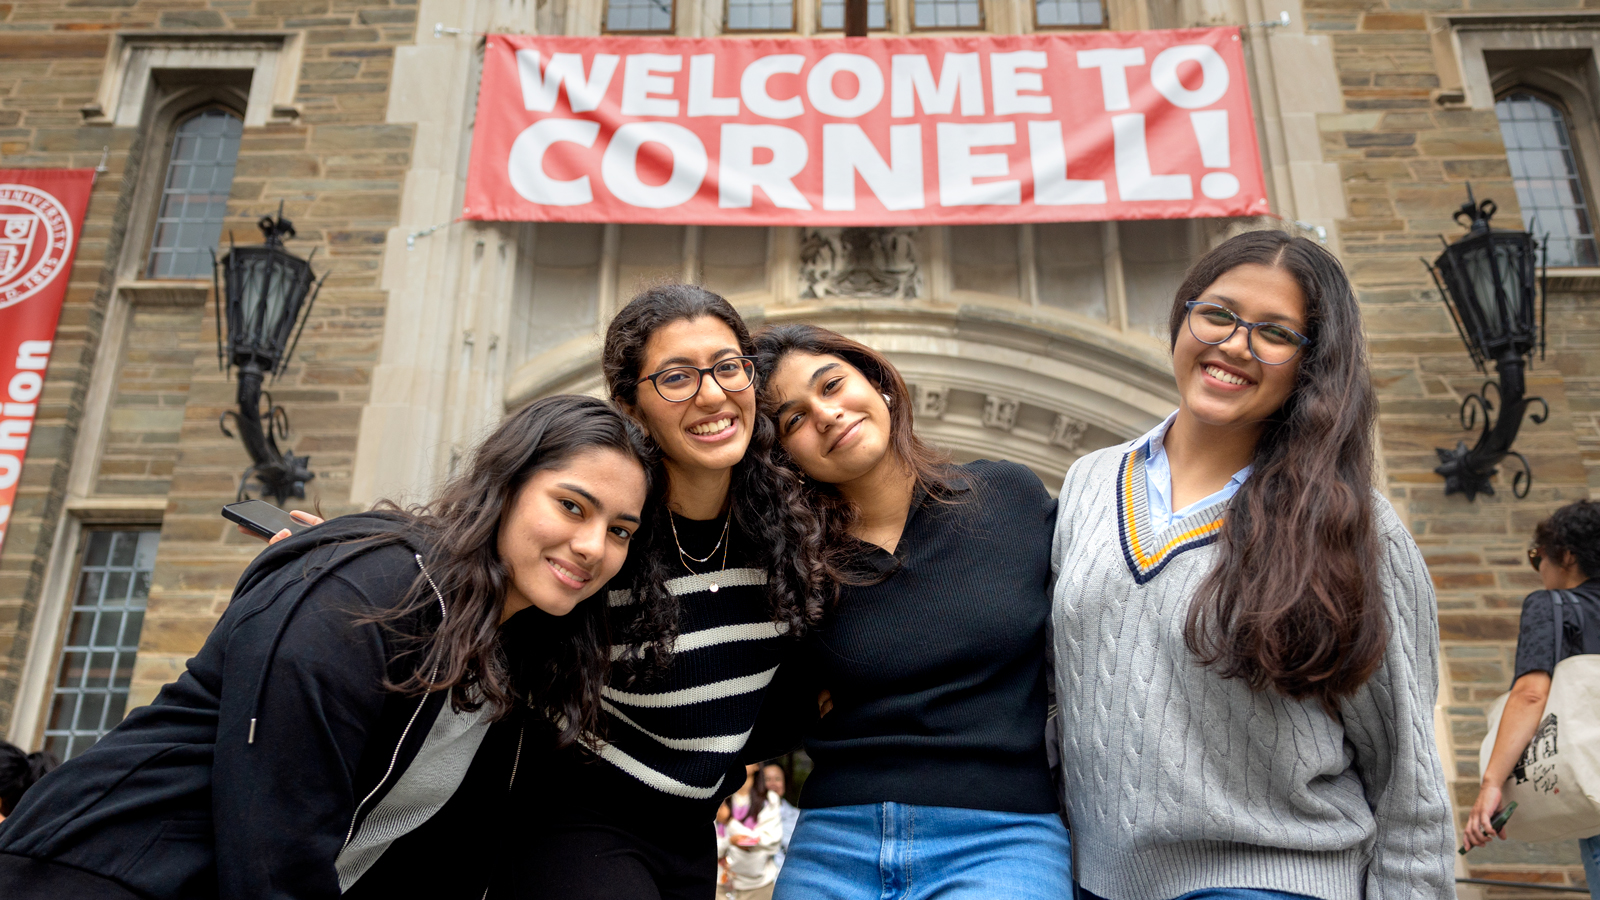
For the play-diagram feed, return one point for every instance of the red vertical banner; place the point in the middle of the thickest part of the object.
(41, 219)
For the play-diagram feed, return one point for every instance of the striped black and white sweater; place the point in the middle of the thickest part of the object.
(672, 743)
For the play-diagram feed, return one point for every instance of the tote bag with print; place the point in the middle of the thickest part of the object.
(1556, 783)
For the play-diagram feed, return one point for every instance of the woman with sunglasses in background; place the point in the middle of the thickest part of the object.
(1566, 554)
(1245, 636)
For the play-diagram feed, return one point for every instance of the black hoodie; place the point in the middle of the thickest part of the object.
(247, 775)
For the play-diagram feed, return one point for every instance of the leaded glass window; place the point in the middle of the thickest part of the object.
(947, 13)
(639, 15)
(96, 666)
(760, 15)
(831, 16)
(1545, 171)
(194, 196)
(1068, 13)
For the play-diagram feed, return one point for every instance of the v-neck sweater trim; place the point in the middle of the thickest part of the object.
(1146, 550)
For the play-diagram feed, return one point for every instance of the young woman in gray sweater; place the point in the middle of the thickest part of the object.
(1245, 636)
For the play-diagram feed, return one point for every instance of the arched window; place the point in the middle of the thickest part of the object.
(1545, 170)
(194, 195)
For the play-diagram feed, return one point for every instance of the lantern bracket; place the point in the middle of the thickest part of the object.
(265, 290)
(1492, 282)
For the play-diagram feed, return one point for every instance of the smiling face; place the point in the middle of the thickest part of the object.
(566, 532)
(1223, 385)
(711, 431)
(831, 419)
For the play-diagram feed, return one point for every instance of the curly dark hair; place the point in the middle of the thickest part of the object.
(769, 505)
(1294, 603)
(930, 468)
(462, 525)
(1574, 529)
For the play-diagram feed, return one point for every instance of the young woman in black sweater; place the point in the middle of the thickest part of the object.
(930, 767)
(357, 719)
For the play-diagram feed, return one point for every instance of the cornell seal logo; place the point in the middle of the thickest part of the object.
(35, 238)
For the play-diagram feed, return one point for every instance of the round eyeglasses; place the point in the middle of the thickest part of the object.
(681, 383)
(1270, 343)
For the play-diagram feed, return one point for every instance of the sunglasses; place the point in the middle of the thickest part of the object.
(1535, 557)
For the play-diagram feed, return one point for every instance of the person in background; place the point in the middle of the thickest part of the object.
(1246, 638)
(748, 838)
(19, 771)
(1566, 554)
(777, 783)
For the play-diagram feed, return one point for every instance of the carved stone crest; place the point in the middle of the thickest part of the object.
(929, 401)
(1067, 432)
(1000, 412)
(879, 263)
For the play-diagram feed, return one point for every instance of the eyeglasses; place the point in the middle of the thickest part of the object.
(1535, 557)
(681, 383)
(1213, 324)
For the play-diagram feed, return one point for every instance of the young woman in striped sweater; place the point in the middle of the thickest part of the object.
(1245, 636)
(699, 629)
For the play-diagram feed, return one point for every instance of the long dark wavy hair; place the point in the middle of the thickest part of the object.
(768, 506)
(930, 468)
(1294, 602)
(462, 526)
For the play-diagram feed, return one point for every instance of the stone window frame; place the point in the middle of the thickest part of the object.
(672, 29)
(793, 28)
(1483, 56)
(158, 79)
(1033, 18)
(133, 57)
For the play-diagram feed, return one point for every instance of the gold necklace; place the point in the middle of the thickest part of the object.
(722, 542)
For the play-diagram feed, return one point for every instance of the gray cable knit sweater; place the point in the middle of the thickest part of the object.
(1176, 779)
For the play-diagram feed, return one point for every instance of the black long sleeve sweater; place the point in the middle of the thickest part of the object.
(937, 671)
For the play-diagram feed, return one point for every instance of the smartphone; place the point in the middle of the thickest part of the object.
(263, 518)
(1498, 822)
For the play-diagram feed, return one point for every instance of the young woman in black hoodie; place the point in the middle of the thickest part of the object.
(354, 724)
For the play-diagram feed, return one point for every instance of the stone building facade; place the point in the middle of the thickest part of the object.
(1031, 342)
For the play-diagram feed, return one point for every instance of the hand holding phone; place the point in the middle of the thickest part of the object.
(262, 518)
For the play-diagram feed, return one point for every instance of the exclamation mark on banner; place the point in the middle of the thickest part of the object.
(1211, 130)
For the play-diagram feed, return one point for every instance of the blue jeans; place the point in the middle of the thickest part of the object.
(1223, 894)
(1589, 848)
(894, 851)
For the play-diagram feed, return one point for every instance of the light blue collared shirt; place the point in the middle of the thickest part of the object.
(1158, 480)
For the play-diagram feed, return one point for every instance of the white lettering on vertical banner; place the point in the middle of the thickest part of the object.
(41, 216)
(1049, 127)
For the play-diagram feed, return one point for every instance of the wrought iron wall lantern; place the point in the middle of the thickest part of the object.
(267, 290)
(1492, 280)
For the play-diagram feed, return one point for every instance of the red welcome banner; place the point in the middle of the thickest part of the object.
(41, 218)
(1038, 128)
